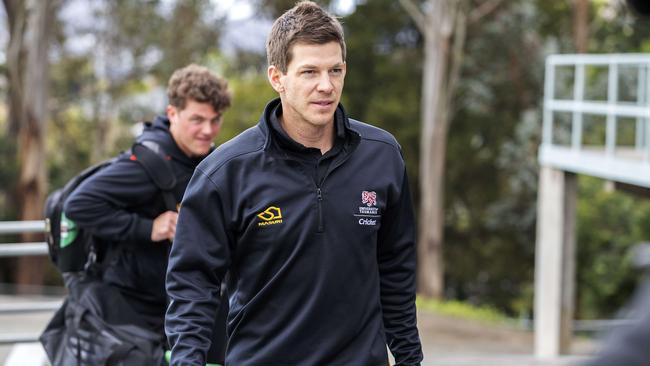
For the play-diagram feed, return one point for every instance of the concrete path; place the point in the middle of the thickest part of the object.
(26, 325)
(458, 342)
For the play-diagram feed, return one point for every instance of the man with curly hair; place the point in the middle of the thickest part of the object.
(123, 208)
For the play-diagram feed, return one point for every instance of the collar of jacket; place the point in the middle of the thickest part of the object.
(351, 136)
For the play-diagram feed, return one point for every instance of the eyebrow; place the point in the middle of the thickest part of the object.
(198, 116)
(309, 66)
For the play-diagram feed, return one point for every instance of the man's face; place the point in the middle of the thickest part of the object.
(194, 127)
(311, 88)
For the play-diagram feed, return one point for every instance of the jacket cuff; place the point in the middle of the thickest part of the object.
(143, 228)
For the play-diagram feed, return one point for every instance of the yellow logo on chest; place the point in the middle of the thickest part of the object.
(270, 216)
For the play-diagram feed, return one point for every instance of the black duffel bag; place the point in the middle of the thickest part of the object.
(96, 327)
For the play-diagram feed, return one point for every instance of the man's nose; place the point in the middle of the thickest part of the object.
(208, 128)
(325, 83)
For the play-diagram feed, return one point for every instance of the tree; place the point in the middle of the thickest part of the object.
(27, 64)
(443, 25)
(275, 8)
(137, 45)
(581, 25)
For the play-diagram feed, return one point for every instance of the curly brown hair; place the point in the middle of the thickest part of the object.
(200, 84)
(305, 23)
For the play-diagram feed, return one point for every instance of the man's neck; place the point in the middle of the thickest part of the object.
(321, 138)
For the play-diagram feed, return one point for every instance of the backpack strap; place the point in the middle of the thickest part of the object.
(148, 154)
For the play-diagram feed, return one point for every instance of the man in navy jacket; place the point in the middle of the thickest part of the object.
(310, 214)
(121, 205)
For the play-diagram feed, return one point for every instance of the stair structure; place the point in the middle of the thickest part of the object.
(596, 123)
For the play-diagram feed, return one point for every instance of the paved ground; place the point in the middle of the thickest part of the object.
(447, 341)
(28, 325)
(457, 342)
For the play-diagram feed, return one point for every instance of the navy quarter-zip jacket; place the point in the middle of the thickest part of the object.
(320, 273)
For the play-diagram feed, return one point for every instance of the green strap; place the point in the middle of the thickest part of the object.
(168, 357)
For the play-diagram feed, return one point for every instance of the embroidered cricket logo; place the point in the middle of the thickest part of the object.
(270, 216)
(369, 198)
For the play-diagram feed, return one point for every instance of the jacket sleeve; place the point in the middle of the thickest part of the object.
(397, 260)
(629, 345)
(198, 261)
(104, 203)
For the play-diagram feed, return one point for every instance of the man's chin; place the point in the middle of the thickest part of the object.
(201, 152)
(323, 121)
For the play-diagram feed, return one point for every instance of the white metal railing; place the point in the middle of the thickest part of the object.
(22, 249)
(602, 155)
(29, 307)
(8, 339)
(19, 250)
(17, 227)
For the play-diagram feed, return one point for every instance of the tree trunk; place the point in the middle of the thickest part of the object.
(16, 19)
(103, 101)
(103, 129)
(27, 61)
(439, 65)
(443, 26)
(581, 25)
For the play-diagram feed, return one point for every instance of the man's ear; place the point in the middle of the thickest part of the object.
(275, 78)
(172, 112)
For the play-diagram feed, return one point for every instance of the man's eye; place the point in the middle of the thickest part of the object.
(336, 71)
(308, 72)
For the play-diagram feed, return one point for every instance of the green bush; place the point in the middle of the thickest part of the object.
(610, 223)
(463, 310)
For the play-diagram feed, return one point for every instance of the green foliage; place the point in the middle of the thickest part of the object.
(382, 84)
(275, 8)
(251, 92)
(67, 142)
(492, 169)
(610, 223)
(491, 164)
(462, 310)
(8, 172)
(94, 93)
(68, 146)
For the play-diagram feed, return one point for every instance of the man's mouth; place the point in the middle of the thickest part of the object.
(323, 103)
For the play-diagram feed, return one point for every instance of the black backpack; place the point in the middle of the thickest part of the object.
(73, 249)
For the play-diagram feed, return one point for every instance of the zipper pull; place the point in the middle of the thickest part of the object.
(319, 197)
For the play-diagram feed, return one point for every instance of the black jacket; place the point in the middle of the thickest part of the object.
(119, 204)
(319, 273)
